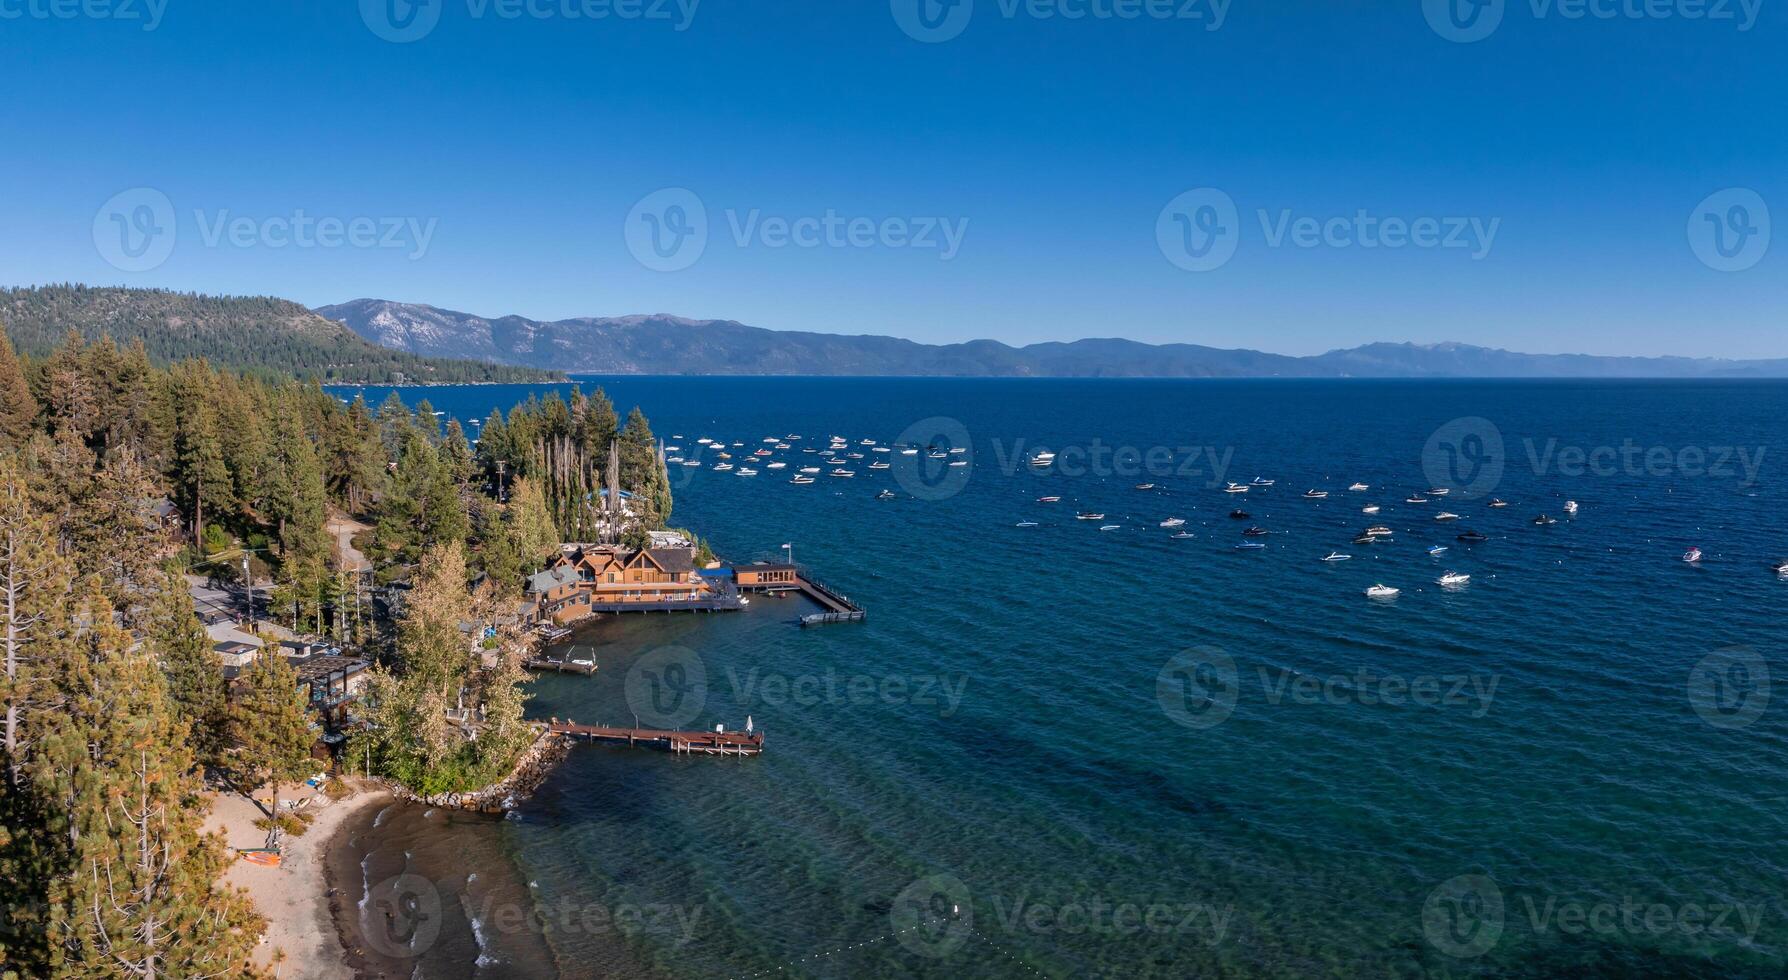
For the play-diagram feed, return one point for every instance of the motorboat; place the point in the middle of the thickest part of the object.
(1235, 488)
(1025, 524)
(1781, 568)
(1260, 482)
(704, 440)
(865, 442)
(1048, 500)
(1417, 499)
(1109, 527)
(1453, 579)
(810, 469)
(782, 445)
(915, 452)
(1692, 555)
(1037, 459)
(1173, 522)
(1379, 531)
(1571, 507)
(692, 462)
(800, 480)
(1145, 486)
(1382, 592)
(722, 467)
(745, 471)
(959, 462)
(1498, 502)
(843, 474)
(1365, 539)
(1357, 487)
(1439, 491)
(1473, 536)
(1446, 515)
(1088, 516)
(885, 495)
(1180, 535)
(778, 464)
(1249, 546)
(1240, 515)
(1438, 550)
(1544, 521)
(879, 465)
(1370, 509)
(763, 452)
(1336, 556)
(1315, 494)
(1255, 532)
(769, 439)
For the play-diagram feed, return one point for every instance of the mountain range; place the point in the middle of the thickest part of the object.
(664, 344)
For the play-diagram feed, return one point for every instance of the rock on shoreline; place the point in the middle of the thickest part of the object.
(530, 771)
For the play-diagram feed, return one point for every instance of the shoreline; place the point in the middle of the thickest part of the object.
(295, 897)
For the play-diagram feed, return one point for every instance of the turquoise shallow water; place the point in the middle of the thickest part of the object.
(1064, 752)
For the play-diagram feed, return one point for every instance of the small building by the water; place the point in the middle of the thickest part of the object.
(765, 575)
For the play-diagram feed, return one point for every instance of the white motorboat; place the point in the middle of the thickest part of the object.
(1453, 579)
(1025, 524)
(1174, 522)
(1692, 555)
(1088, 516)
(745, 471)
(1235, 488)
(1336, 556)
(722, 467)
(1260, 482)
(1315, 494)
(878, 465)
(1439, 491)
(810, 469)
(1382, 592)
(1358, 487)
(1571, 507)
(801, 480)
(1043, 458)
(1109, 527)
(842, 474)
(1446, 515)
(1369, 509)
(779, 464)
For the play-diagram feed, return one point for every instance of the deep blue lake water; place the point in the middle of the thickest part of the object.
(1062, 751)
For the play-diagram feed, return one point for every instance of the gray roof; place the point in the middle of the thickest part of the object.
(673, 559)
(552, 578)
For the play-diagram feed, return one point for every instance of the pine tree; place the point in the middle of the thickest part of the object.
(202, 478)
(140, 895)
(18, 409)
(195, 681)
(270, 723)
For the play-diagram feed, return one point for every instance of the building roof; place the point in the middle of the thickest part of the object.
(316, 668)
(673, 559)
(226, 632)
(766, 566)
(552, 578)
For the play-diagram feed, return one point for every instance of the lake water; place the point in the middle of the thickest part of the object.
(1062, 751)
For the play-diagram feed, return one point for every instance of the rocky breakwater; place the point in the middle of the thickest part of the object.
(499, 797)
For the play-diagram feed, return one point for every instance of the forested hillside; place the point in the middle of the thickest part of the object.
(255, 334)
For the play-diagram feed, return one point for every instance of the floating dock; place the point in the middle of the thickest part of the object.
(774, 578)
(678, 742)
(560, 666)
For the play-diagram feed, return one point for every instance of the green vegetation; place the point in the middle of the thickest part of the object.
(273, 339)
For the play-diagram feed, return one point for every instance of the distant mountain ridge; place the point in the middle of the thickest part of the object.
(664, 344)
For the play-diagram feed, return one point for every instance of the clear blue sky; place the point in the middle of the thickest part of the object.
(526, 141)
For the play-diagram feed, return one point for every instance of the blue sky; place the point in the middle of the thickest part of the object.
(1006, 182)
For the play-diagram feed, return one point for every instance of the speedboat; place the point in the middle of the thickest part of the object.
(722, 467)
(1379, 531)
(1173, 522)
(1438, 550)
(1365, 539)
(1110, 527)
(866, 442)
(878, 465)
(1417, 499)
(954, 462)
(1781, 568)
(1692, 555)
(1446, 515)
(1543, 521)
(843, 474)
(692, 462)
(1571, 507)
(799, 479)
(704, 440)
(810, 469)
(1145, 486)
(1037, 459)
(1240, 515)
(885, 495)
(1358, 487)
(1439, 491)
(1249, 546)
(762, 452)
(1180, 535)
(1315, 494)
(1025, 524)
(1453, 579)
(1336, 556)
(779, 464)
(782, 445)
(1369, 509)
(1255, 532)
(915, 452)
(1473, 536)
(1259, 482)
(1048, 500)
(746, 471)
(1235, 488)
(673, 459)
(1088, 516)
(1382, 592)
(1498, 502)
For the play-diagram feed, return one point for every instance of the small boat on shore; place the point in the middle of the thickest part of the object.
(1382, 591)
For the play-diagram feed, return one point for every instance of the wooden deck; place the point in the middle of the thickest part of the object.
(679, 742)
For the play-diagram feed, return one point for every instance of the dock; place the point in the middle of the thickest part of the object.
(777, 578)
(678, 742)
(559, 666)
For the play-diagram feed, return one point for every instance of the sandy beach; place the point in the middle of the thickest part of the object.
(293, 896)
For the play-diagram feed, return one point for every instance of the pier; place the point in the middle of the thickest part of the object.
(559, 666)
(765, 577)
(678, 742)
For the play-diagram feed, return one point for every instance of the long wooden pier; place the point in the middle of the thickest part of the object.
(679, 742)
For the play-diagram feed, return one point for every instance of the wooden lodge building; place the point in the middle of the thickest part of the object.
(587, 579)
